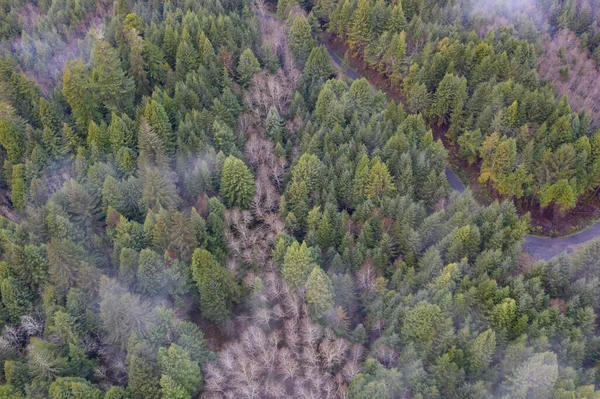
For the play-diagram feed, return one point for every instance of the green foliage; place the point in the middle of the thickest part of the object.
(376, 382)
(113, 88)
(19, 187)
(179, 372)
(237, 183)
(216, 286)
(300, 39)
(77, 90)
(73, 388)
(561, 193)
(319, 292)
(421, 322)
(297, 265)
(247, 67)
(349, 245)
(150, 272)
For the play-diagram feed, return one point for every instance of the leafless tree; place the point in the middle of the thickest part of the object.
(333, 352)
(581, 81)
(300, 360)
(32, 325)
(366, 278)
(385, 354)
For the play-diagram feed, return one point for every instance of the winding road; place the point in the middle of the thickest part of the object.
(540, 248)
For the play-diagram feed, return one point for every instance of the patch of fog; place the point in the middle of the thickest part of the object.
(42, 51)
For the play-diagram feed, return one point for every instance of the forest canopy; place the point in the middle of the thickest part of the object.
(198, 204)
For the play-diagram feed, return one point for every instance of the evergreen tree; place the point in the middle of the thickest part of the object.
(297, 264)
(157, 118)
(159, 190)
(175, 363)
(141, 383)
(300, 39)
(73, 388)
(115, 90)
(137, 64)
(397, 21)
(359, 31)
(237, 183)
(216, 286)
(12, 136)
(274, 125)
(18, 187)
(120, 132)
(151, 147)
(186, 58)
(380, 182)
(77, 90)
(64, 260)
(150, 272)
(247, 67)
(319, 292)
(561, 194)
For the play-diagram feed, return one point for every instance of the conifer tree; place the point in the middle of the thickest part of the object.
(206, 51)
(216, 286)
(300, 39)
(120, 132)
(175, 363)
(393, 59)
(157, 118)
(380, 182)
(50, 114)
(309, 170)
(78, 92)
(159, 190)
(64, 259)
(224, 137)
(150, 272)
(171, 389)
(297, 264)
(142, 384)
(316, 72)
(12, 133)
(182, 237)
(186, 58)
(319, 292)
(561, 194)
(247, 67)
(397, 21)
(151, 147)
(449, 99)
(115, 90)
(137, 64)
(498, 158)
(18, 187)
(359, 31)
(469, 143)
(73, 388)
(274, 125)
(170, 42)
(237, 183)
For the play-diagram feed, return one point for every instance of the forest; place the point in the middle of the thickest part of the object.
(476, 79)
(197, 203)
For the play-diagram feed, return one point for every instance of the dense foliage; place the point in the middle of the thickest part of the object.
(199, 210)
(481, 89)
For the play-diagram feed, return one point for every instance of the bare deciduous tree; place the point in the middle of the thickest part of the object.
(300, 360)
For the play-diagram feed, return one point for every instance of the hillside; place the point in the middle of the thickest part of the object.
(204, 207)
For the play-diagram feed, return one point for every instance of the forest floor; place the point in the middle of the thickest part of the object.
(544, 222)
